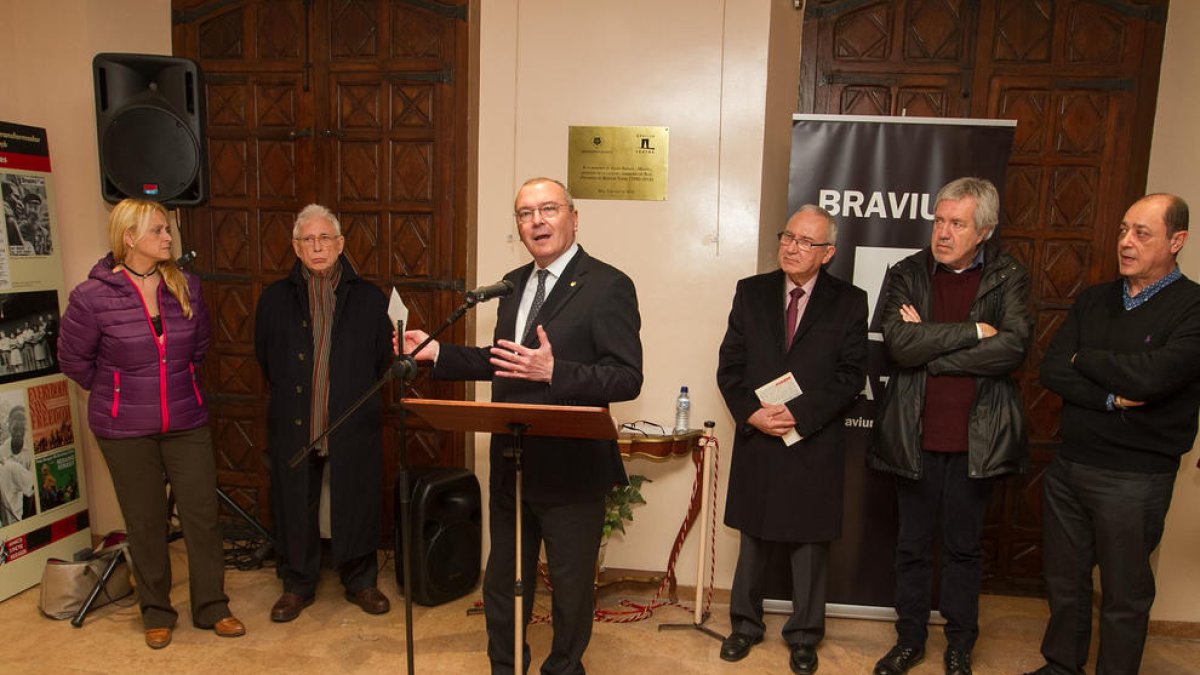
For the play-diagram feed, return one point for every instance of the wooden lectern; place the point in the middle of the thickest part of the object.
(519, 420)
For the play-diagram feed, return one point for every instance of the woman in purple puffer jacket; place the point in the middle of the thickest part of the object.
(133, 335)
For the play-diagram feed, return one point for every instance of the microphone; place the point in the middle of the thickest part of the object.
(186, 258)
(497, 290)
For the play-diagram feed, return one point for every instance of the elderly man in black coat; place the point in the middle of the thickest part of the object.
(323, 337)
(785, 484)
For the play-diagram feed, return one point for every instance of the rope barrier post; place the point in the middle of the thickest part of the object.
(699, 617)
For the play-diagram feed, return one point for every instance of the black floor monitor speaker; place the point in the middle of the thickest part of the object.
(150, 128)
(447, 534)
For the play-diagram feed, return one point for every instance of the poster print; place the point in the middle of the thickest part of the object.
(26, 215)
(28, 335)
(33, 476)
(50, 416)
(57, 480)
(16, 459)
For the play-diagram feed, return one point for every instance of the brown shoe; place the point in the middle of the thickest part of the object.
(288, 607)
(157, 638)
(229, 627)
(371, 600)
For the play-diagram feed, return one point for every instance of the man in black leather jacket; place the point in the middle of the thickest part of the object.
(956, 325)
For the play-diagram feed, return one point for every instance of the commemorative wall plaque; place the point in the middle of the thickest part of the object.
(618, 163)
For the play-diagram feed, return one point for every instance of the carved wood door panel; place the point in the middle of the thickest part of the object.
(358, 105)
(1081, 79)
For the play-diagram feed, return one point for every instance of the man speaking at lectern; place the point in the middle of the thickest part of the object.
(569, 335)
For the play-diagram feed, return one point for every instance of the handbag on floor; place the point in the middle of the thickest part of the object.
(66, 584)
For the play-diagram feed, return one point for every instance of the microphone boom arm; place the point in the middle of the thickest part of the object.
(404, 367)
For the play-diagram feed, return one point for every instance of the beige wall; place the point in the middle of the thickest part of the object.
(544, 66)
(547, 65)
(46, 81)
(1173, 168)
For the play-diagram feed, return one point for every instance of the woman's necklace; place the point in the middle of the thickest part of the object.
(143, 277)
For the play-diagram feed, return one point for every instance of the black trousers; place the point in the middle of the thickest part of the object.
(1115, 519)
(810, 572)
(571, 533)
(300, 548)
(186, 459)
(944, 485)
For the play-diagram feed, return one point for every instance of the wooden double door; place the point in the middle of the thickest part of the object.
(1081, 79)
(359, 105)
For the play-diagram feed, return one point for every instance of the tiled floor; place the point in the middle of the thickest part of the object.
(333, 636)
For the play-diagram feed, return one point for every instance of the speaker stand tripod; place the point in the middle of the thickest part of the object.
(122, 555)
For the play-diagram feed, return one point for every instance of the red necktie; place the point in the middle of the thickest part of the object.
(793, 309)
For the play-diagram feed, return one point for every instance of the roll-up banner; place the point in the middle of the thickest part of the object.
(878, 176)
(43, 504)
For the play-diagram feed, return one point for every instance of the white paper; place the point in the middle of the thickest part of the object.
(778, 392)
(397, 312)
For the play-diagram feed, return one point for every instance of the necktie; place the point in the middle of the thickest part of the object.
(538, 298)
(793, 309)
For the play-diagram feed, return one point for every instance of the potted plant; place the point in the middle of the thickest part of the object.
(618, 510)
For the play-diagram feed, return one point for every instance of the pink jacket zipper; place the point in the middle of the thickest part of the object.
(116, 392)
(161, 344)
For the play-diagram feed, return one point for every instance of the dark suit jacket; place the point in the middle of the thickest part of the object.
(591, 319)
(779, 492)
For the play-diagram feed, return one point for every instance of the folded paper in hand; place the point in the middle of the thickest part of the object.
(778, 392)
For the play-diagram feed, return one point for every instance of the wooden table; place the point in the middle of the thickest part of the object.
(659, 447)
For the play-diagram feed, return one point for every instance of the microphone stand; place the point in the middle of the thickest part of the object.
(404, 368)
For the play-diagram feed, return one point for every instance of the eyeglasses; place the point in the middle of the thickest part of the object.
(310, 241)
(548, 211)
(788, 239)
(635, 428)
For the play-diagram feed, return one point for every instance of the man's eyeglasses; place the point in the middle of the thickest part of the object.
(310, 241)
(548, 211)
(788, 239)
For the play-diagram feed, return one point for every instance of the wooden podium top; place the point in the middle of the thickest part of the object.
(541, 420)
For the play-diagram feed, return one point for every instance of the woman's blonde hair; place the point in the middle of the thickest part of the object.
(133, 216)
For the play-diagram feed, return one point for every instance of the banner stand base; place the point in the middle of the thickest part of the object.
(840, 611)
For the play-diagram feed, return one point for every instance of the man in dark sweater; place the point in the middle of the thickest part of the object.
(956, 325)
(1126, 362)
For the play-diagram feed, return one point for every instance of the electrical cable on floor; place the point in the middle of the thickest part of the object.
(245, 548)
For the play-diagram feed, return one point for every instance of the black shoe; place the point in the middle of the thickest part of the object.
(803, 660)
(957, 661)
(737, 646)
(899, 660)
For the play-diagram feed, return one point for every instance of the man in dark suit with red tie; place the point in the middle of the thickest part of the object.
(785, 484)
(569, 335)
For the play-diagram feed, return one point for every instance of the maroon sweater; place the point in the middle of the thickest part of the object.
(949, 398)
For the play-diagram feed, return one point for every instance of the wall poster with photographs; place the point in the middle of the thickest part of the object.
(26, 215)
(43, 505)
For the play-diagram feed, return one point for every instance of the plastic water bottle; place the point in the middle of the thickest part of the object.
(683, 406)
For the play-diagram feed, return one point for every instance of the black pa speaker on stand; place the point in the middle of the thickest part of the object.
(150, 128)
(447, 545)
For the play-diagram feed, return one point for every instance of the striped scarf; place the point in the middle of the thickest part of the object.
(322, 299)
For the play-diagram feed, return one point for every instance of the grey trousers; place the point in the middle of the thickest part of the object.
(809, 564)
(138, 467)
